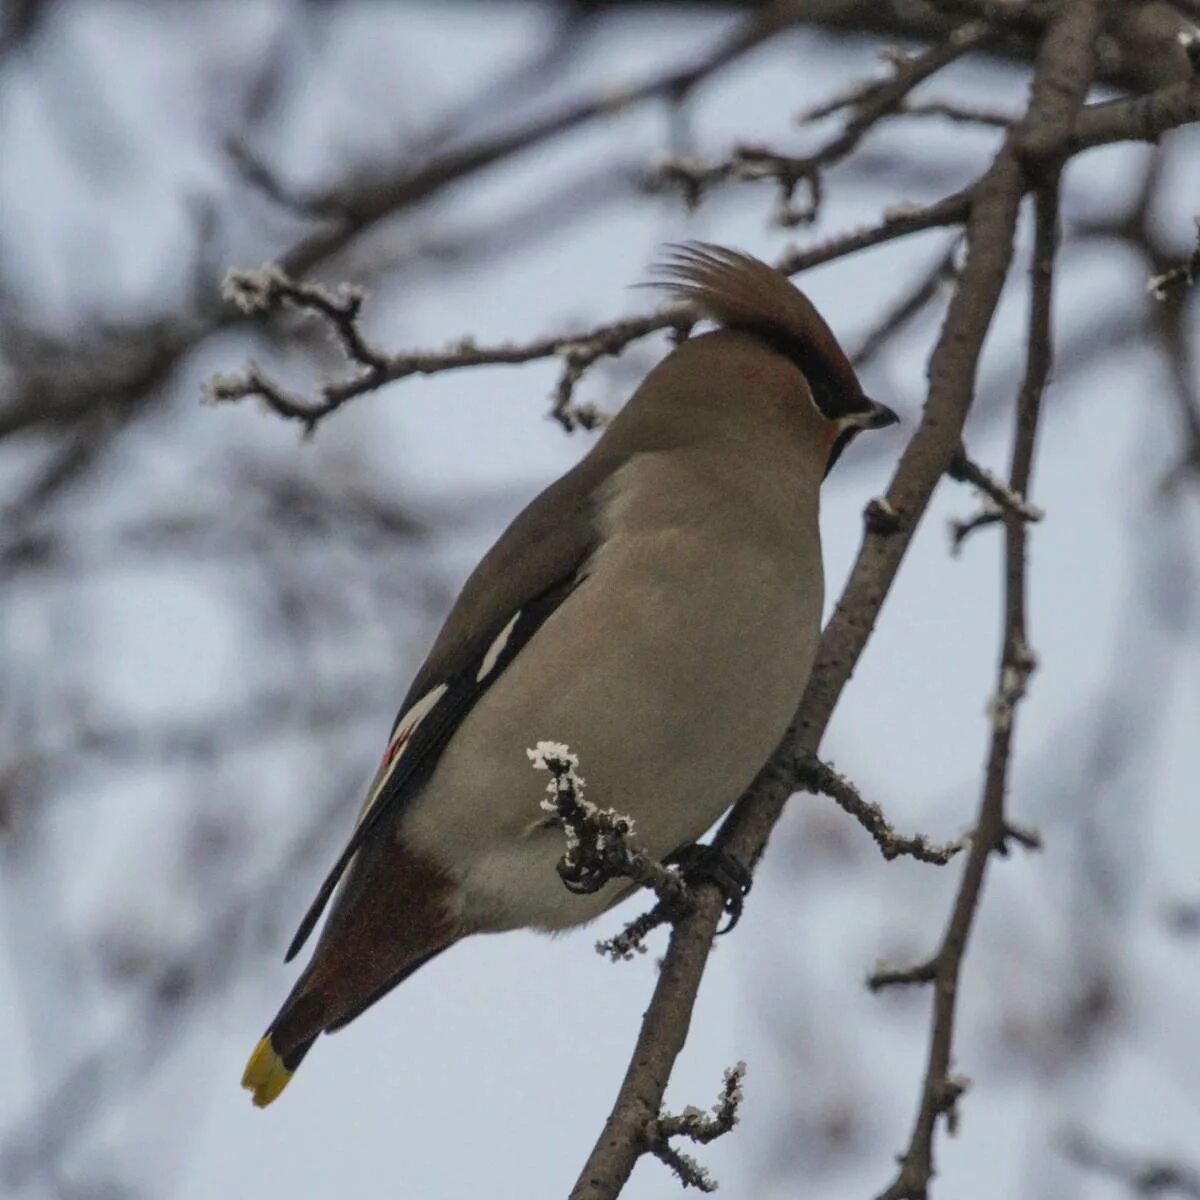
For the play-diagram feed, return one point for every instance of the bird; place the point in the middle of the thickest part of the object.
(656, 609)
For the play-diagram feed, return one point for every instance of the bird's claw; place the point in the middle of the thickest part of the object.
(701, 863)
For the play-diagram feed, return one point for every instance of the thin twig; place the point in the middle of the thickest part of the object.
(941, 1090)
(600, 845)
(621, 947)
(883, 977)
(955, 110)
(698, 1126)
(936, 281)
(271, 287)
(869, 103)
(816, 776)
(1000, 501)
(993, 204)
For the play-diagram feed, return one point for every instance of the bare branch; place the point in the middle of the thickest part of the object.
(940, 1091)
(1000, 501)
(815, 776)
(884, 977)
(271, 286)
(869, 103)
(698, 1126)
(1140, 118)
(265, 289)
(954, 110)
(1061, 77)
(259, 174)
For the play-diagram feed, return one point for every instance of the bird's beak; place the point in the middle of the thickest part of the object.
(879, 416)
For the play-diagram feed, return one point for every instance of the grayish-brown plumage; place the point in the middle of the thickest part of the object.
(657, 609)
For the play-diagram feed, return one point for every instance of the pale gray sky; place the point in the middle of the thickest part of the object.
(498, 1062)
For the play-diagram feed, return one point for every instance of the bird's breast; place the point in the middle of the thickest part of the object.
(672, 671)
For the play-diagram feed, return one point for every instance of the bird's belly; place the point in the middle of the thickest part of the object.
(672, 693)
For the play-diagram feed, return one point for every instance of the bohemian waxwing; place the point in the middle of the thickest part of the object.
(656, 609)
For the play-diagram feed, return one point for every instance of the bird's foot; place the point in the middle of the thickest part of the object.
(701, 863)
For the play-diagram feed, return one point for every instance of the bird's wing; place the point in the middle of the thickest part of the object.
(531, 570)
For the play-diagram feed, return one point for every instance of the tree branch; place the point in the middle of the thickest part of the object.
(941, 1090)
(1143, 117)
(1139, 118)
(869, 103)
(270, 287)
(816, 776)
(116, 387)
(1000, 501)
(1061, 76)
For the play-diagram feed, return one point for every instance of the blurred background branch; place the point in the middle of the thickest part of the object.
(206, 627)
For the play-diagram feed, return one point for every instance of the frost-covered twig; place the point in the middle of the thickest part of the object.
(599, 841)
(270, 288)
(632, 939)
(699, 1126)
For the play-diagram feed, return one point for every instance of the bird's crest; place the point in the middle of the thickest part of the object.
(743, 293)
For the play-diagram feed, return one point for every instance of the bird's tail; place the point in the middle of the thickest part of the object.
(301, 1020)
(268, 1072)
(307, 1013)
(390, 917)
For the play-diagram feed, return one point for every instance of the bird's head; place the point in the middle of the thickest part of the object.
(745, 295)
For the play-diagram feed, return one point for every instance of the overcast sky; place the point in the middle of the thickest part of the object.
(490, 1072)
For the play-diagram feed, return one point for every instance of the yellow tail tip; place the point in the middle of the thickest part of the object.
(265, 1075)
